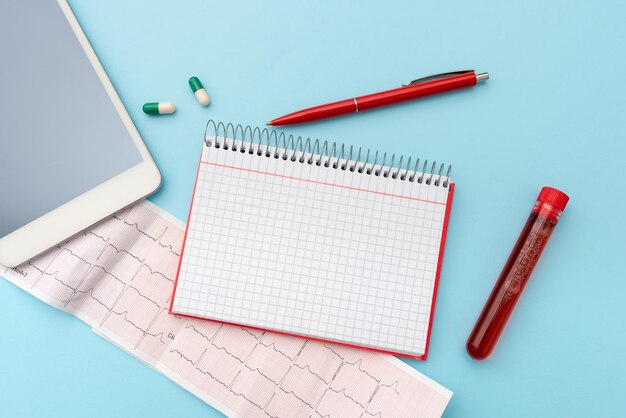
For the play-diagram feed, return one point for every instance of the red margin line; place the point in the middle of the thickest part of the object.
(321, 182)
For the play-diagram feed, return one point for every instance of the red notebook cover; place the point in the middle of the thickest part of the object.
(434, 296)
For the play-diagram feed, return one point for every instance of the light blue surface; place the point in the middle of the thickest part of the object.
(552, 114)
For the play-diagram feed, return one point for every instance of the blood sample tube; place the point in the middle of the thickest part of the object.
(518, 268)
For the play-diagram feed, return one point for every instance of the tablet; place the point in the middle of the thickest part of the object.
(70, 155)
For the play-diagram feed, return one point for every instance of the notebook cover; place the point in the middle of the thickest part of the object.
(424, 356)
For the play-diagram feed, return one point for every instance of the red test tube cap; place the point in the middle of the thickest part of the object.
(553, 197)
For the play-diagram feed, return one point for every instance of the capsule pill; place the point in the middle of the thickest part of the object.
(198, 90)
(159, 108)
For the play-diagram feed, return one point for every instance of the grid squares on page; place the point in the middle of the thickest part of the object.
(311, 250)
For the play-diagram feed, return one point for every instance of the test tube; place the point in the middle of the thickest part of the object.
(518, 268)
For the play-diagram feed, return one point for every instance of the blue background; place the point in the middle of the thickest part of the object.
(552, 114)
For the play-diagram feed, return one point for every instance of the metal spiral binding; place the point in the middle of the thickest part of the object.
(269, 143)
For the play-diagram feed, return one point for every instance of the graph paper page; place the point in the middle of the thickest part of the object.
(312, 250)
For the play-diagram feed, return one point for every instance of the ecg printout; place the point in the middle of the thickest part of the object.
(118, 278)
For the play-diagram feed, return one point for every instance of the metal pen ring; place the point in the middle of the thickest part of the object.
(386, 173)
(395, 175)
(345, 165)
(290, 146)
(307, 147)
(341, 150)
(406, 169)
(447, 180)
(226, 137)
(415, 170)
(244, 139)
(370, 169)
(358, 158)
(321, 154)
(421, 177)
(274, 152)
(238, 127)
(380, 170)
(331, 154)
(314, 151)
(264, 133)
(295, 149)
(436, 183)
(362, 167)
(283, 148)
(256, 132)
(268, 147)
(217, 136)
(207, 141)
(432, 172)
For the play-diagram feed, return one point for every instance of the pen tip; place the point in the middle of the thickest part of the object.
(268, 123)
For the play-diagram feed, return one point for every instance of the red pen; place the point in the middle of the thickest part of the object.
(425, 86)
(517, 270)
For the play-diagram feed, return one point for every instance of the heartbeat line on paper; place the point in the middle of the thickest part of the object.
(118, 278)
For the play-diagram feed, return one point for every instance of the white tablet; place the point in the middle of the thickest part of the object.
(70, 155)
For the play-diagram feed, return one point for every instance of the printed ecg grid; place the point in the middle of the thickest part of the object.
(118, 278)
(310, 250)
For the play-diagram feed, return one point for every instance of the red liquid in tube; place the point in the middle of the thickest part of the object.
(518, 268)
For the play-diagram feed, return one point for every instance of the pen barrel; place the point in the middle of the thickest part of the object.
(318, 112)
(416, 91)
(515, 274)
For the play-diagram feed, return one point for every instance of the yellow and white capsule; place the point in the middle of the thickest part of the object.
(198, 90)
(160, 108)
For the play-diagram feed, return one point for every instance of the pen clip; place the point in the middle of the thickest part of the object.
(436, 77)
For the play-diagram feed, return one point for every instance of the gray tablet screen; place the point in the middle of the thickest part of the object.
(60, 134)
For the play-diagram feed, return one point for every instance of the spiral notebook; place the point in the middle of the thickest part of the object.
(314, 239)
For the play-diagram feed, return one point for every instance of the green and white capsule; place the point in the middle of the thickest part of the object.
(198, 89)
(160, 108)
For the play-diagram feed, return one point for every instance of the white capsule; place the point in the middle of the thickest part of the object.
(202, 97)
(166, 108)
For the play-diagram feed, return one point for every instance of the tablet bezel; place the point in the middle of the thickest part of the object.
(94, 205)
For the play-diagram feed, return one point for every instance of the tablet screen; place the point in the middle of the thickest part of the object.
(60, 134)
